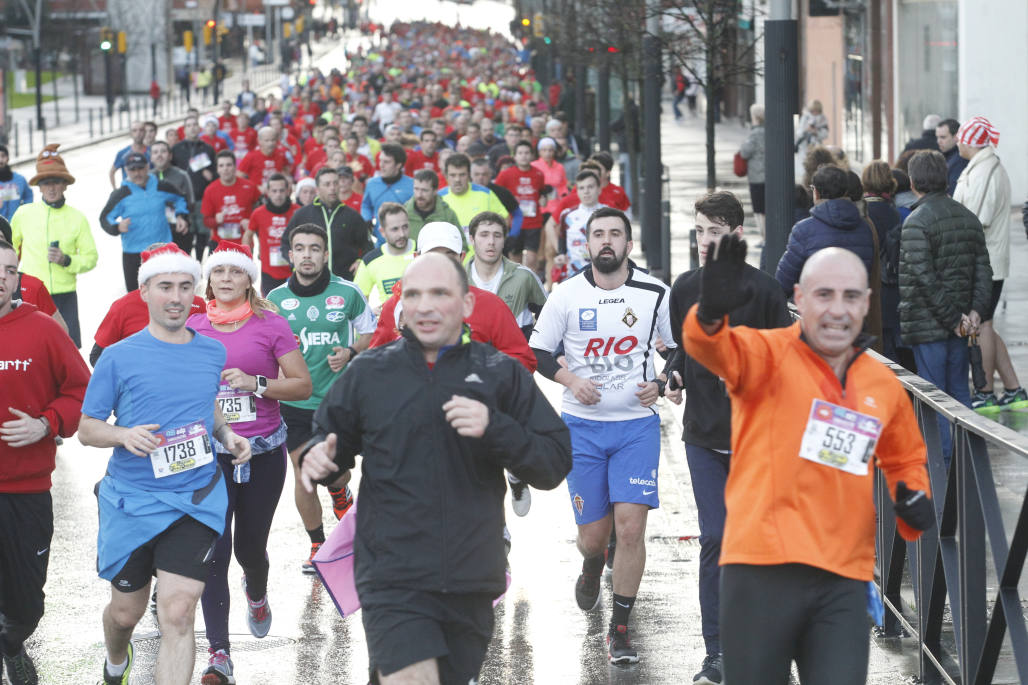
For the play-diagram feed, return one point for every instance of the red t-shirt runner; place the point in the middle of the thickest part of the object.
(34, 292)
(525, 186)
(244, 140)
(258, 168)
(234, 202)
(270, 227)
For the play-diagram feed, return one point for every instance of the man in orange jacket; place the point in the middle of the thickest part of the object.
(809, 410)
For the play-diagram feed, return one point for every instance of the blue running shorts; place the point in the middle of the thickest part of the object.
(612, 461)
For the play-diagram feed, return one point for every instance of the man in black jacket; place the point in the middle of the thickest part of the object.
(429, 551)
(196, 158)
(945, 282)
(708, 410)
(348, 234)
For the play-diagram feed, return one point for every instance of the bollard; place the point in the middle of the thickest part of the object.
(90, 123)
(16, 139)
(43, 121)
(30, 134)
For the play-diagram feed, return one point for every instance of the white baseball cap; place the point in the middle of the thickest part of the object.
(440, 234)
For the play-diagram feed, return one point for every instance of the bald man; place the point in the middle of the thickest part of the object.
(809, 411)
(430, 560)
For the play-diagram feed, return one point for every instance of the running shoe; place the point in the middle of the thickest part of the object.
(308, 565)
(587, 591)
(342, 500)
(1011, 399)
(984, 402)
(258, 614)
(619, 647)
(219, 669)
(20, 669)
(520, 496)
(710, 671)
(122, 679)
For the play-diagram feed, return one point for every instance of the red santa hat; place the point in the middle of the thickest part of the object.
(168, 259)
(232, 254)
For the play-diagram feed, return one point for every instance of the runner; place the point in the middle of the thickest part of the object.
(490, 320)
(349, 238)
(427, 611)
(333, 323)
(138, 212)
(162, 501)
(608, 318)
(383, 267)
(708, 410)
(573, 253)
(809, 409)
(526, 182)
(263, 366)
(43, 380)
(268, 222)
(269, 157)
(228, 202)
(519, 288)
(129, 314)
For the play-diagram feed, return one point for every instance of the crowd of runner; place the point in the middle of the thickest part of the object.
(422, 217)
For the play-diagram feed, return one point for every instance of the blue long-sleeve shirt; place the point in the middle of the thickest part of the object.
(377, 191)
(13, 194)
(146, 207)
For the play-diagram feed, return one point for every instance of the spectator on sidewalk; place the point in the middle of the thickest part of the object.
(812, 130)
(927, 139)
(984, 188)
(904, 197)
(944, 281)
(753, 152)
(834, 222)
(946, 136)
(879, 187)
(54, 239)
(14, 189)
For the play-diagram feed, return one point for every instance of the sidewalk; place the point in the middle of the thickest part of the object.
(684, 153)
(92, 125)
(683, 146)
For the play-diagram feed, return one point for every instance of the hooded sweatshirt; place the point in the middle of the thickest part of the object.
(42, 374)
(832, 223)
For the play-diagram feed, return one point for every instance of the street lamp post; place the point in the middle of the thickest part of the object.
(781, 96)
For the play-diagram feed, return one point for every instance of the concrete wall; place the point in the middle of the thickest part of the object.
(823, 64)
(993, 58)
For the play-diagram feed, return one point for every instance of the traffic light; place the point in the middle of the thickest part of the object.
(187, 40)
(526, 22)
(122, 43)
(208, 31)
(105, 40)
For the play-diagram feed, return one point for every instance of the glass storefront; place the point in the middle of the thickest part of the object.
(925, 63)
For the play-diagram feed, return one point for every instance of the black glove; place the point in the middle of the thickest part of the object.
(721, 284)
(914, 507)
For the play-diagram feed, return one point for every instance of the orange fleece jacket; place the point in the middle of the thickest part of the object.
(782, 508)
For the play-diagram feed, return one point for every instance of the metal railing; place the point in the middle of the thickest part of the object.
(949, 565)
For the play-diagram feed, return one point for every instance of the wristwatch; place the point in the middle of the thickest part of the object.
(262, 386)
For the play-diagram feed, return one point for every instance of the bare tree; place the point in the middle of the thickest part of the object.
(703, 38)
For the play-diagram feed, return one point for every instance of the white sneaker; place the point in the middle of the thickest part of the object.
(520, 496)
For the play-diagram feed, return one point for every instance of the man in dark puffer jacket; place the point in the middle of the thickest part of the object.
(834, 222)
(945, 280)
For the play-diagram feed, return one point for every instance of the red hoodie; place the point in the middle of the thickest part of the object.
(42, 374)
